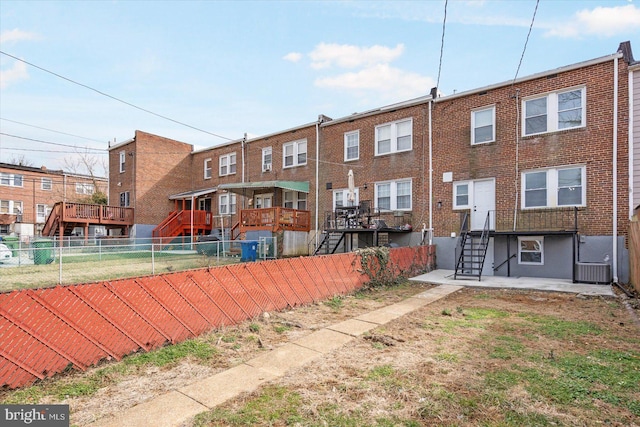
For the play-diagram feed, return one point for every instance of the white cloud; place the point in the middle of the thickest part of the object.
(387, 82)
(11, 75)
(326, 55)
(293, 57)
(603, 21)
(16, 35)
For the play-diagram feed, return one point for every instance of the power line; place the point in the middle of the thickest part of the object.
(51, 130)
(444, 23)
(114, 98)
(45, 151)
(52, 143)
(526, 42)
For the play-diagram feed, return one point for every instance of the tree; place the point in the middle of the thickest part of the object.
(85, 163)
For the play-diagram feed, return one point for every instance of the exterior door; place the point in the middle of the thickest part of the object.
(484, 201)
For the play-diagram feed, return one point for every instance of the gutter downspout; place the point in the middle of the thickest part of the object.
(615, 170)
(430, 176)
(317, 176)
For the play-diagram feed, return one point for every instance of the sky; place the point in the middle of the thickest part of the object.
(76, 76)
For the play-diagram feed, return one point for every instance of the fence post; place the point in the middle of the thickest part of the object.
(60, 262)
(153, 259)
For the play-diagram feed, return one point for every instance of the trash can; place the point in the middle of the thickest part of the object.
(13, 243)
(249, 249)
(42, 252)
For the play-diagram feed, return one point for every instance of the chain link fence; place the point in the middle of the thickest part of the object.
(40, 262)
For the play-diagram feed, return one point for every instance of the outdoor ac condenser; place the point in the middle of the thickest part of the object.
(593, 272)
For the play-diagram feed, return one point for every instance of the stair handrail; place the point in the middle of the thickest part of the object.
(484, 242)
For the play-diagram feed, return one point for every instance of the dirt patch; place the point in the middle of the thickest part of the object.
(476, 357)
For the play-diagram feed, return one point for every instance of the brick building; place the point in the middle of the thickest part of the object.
(545, 163)
(27, 195)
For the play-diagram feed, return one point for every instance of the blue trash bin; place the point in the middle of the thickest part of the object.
(249, 249)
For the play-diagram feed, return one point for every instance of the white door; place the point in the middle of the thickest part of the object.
(484, 201)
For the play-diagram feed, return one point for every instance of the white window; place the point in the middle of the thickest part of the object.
(483, 125)
(11, 180)
(340, 198)
(550, 188)
(264, 201)
(207, 168)
(294, 154)
(42, 211)
(227, 204)
(46, 184)
(11, 207)
(461, 195)
(554, 111)
(84, 188)
(295, 200)
(393, 195)
(267, 159)
(123, 158)
(394, 137)
(351, 146)
(124, 199)
(228, 164)
(531, 250)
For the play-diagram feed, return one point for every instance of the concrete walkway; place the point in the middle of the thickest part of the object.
(445, 277)
(178, 406)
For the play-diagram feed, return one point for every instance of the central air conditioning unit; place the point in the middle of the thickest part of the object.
(266, 167)
(593, 272)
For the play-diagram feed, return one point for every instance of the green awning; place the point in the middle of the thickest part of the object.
(301, 186)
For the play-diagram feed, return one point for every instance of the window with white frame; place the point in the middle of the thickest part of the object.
(351, 146)
(394, 137)
(41, 213)
(227, 204)
(461, 195)
(228, 164)
(483, 125)
(84, 188)
(207, 168)
(11, 180)
(550, 188)
(554, 111)
(267, 159)
(340, 198)
(11, 207)
(124, 199)
(531, 250)
(295, 200)
(46, 184)
(294, 154)
(393, 195)
(123, 158)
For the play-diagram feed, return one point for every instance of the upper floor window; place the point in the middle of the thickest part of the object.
(294, 154)
(228, 164)
(267, 159)
(351, 146)
(11, 207)
(393, 195)
(124, 199)
(46, 184)
(394, 137)
(554, 111)
(549, 188)
(227, 204)
(207, 168)
(123, 158)
(483, 125)
(84, 188)
(12, 180)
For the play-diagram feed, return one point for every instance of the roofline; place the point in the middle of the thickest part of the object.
(120, 144)
(546, 73)
(58, 172)
(390, 107)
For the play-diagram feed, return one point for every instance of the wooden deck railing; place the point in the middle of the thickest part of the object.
(275, 219)
(179, 222)
(84, 213)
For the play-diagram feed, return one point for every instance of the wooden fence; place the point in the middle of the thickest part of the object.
(634, 252)
(45, 331)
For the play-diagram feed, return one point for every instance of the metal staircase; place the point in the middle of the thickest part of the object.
(471, 250)
(330, 243)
